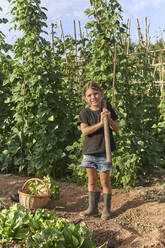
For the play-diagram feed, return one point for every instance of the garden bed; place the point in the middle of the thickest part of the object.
(138, 216)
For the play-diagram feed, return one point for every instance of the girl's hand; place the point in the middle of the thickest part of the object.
(113, 124)
(105, 113)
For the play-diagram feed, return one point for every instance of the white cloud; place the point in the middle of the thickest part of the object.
(61, 8)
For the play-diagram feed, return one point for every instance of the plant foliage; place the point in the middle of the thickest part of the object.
(41, 95)
(43, 229)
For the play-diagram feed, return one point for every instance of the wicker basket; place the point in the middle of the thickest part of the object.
(32, 202)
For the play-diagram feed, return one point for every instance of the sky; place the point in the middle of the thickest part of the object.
(69, 10)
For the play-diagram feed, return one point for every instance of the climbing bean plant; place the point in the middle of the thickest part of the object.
(5, 92)
(38, 131)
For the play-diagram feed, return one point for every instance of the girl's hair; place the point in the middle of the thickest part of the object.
(91, 85)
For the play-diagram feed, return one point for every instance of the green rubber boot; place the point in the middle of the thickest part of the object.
(93, 199)
(106, 214)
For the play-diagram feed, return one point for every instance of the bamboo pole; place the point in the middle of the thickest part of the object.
(159, 64)
(75, 38)
(94, 7)
(140, 34)
(145, 49)
(128, 40)
(76, 54)
(153, 62)
(82, 39)
(138, 28)
(63, 38)
(152, 51)
(23, 121)
(146, 33)
(162, 77)
(81, 35)
(52, 36)
(162, 37)
(86, 30)
(162, 84)
(114, 73)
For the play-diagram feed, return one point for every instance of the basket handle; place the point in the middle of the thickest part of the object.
(36, 179)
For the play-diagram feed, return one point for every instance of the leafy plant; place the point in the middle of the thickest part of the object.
(14, 223)
(37, 133)
(43, 229)
(36, 188)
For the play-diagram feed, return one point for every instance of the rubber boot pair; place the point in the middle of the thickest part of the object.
(93, 199)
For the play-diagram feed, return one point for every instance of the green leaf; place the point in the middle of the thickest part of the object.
(51, 118)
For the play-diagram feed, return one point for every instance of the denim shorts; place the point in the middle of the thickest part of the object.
(97, 161)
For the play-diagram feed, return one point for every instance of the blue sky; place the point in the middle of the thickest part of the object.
(69, 10)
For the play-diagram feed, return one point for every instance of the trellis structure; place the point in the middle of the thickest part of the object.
(158, 55)
(158, 60)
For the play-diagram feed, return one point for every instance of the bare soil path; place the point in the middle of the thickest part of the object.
(138, 216)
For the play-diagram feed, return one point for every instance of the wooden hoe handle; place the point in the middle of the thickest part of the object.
(107, 135)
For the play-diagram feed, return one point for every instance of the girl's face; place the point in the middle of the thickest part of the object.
(93, 97)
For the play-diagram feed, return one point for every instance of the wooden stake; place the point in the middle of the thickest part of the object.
(114, 73)
(140, 34)
(63, 38)
(23, 122)
(94, 7)
(75, 37)
(162, 37)
(52, 37)
(128, 40)
(81, 35)
(146, 32)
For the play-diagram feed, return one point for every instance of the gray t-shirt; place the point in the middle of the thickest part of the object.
(94, 143)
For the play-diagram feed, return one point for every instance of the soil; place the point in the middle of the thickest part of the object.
(138, 215)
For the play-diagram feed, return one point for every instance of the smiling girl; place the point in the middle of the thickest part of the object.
(94, 157)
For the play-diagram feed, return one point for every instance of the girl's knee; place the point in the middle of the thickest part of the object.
(105, 183)
(92, 183)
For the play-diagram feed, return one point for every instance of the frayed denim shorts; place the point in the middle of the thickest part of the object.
(97, 161)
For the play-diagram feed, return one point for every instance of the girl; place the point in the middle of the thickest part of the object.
(94, 158)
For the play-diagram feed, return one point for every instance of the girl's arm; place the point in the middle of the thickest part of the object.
(86, 130)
